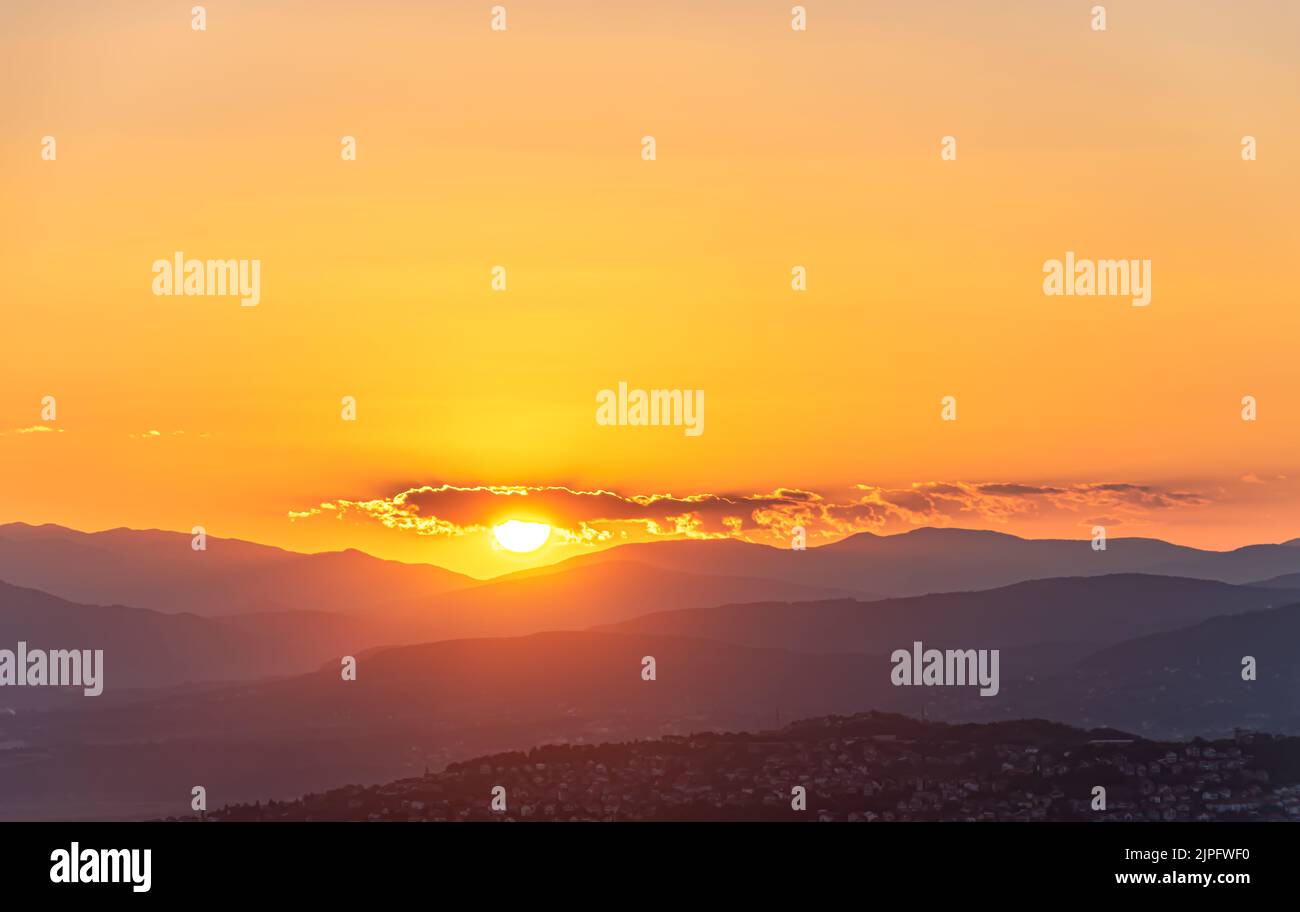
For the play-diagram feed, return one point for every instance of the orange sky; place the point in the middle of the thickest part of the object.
(775, 149)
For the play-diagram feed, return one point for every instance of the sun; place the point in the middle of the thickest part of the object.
(521, 537)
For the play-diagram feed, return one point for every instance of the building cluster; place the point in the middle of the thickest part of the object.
(870, 767)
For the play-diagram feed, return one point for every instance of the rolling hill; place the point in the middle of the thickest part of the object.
(160, 571)
(931, 560)
(1285, 581)
(578, 597)
(1082, 611)
(435, 703)
(1190, 680)
(150, 649)
(409, 706)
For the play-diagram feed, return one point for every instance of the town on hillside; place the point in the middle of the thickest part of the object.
(865, 767)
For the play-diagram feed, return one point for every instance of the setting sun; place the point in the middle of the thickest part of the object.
(521, 537)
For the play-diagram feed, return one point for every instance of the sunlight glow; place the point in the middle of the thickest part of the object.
(521, 537)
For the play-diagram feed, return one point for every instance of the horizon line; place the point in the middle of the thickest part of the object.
(662, 540)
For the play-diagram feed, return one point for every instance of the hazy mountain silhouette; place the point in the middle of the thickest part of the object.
(1081, 611)
(579, 597)
(481, 681)
(253, 644)
(740, 633)
(160, 571)
(1210, 648)
(947, 560)
(407, 707)
(147, 649)
(1241, 565)
(438, 702)
(1285, 581)
(1186, 681)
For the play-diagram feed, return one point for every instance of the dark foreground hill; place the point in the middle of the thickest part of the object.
(864, 767)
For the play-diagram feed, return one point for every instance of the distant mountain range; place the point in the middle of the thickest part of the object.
(1062, 619)
(581, 596)
(1087, 612)
(1190, 680)
(154, 649)
(149, 649)
(1286, 581)
(409, 706)
(160, 571)
(947, 560)
(439, 702)
(224, 670)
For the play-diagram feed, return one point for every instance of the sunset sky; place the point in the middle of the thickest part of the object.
(775, 148)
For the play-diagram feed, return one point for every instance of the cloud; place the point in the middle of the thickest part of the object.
(577, 515)
(154, 434)
(597, 516)
(998, 503)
